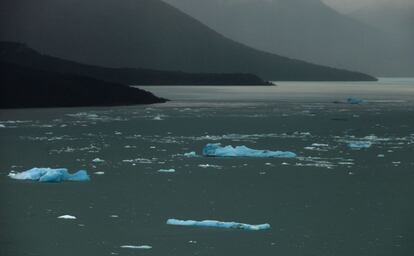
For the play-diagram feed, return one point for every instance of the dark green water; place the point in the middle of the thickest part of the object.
(332, 200)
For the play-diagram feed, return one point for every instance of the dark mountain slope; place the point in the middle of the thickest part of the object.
(22, 87)
(144, 33)
(20, 54)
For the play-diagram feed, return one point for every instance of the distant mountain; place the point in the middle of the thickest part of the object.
(305, 29)
(395, 19)
(22, 87)
(144, 33)
(20, 54)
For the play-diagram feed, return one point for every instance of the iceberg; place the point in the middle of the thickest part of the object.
(98, 160)
(360, 144)
(218, 224)
(190, 154)
(167, 170)
(352, 100)
(67, 217)
(240, 151)
(145, 247)
(50, 175)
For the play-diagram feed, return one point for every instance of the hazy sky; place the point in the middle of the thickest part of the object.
(352, 5)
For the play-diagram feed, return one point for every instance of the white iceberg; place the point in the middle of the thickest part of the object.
(98, 160)
(50, 175)
(243, 151)
(218, 224)
(67, 217)
(167, 170)
(145, 247)
(190, 154)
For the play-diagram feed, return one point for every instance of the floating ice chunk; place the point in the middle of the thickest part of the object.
(353, 100)
(142, 247)
(243, 151)
(2, 126)
(50, 175)
(98, 160)
(218, 224)
(360, 144)
(158, 118)
(209, 166)
(167, 170)
(190, 154)
(320, 145)
(99, 173)
(67, 217)
(380, 155)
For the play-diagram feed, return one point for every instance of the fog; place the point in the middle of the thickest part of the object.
(373, 36)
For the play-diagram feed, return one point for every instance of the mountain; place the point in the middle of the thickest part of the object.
(395, 19)
(20, 54)
(144, 33)
(306, 29)
(22, 87)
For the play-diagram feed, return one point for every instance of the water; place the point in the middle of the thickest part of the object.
(332, 200)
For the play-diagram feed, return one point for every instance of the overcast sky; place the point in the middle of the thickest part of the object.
(352, 5)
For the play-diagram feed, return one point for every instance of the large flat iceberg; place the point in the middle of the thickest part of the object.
(218, 224)
(50, 175)
(243, 151)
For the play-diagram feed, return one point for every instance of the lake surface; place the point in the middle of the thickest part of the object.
(331, 200)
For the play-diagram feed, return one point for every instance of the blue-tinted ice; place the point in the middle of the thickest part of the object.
(218, 224)
(359, 144)
(352, 100)
(50, 175)
(243, 151)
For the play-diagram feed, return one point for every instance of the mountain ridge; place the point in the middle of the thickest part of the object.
(130, 35)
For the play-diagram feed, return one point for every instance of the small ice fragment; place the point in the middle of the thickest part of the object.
(157, 118)
(192, 242)
(209, 166)
(50, 175)
(2, 126)
(167, 170)
(98, 160)
(320, 145)
(218, 224)
(67, 217)
(114, 216)
(99, 173)
(360, 144)
(214, 150)
(353, 100)
(143, 247)
(380, 155)
(310, 148)
(284, 163)
(117, 133)
(190, 154)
